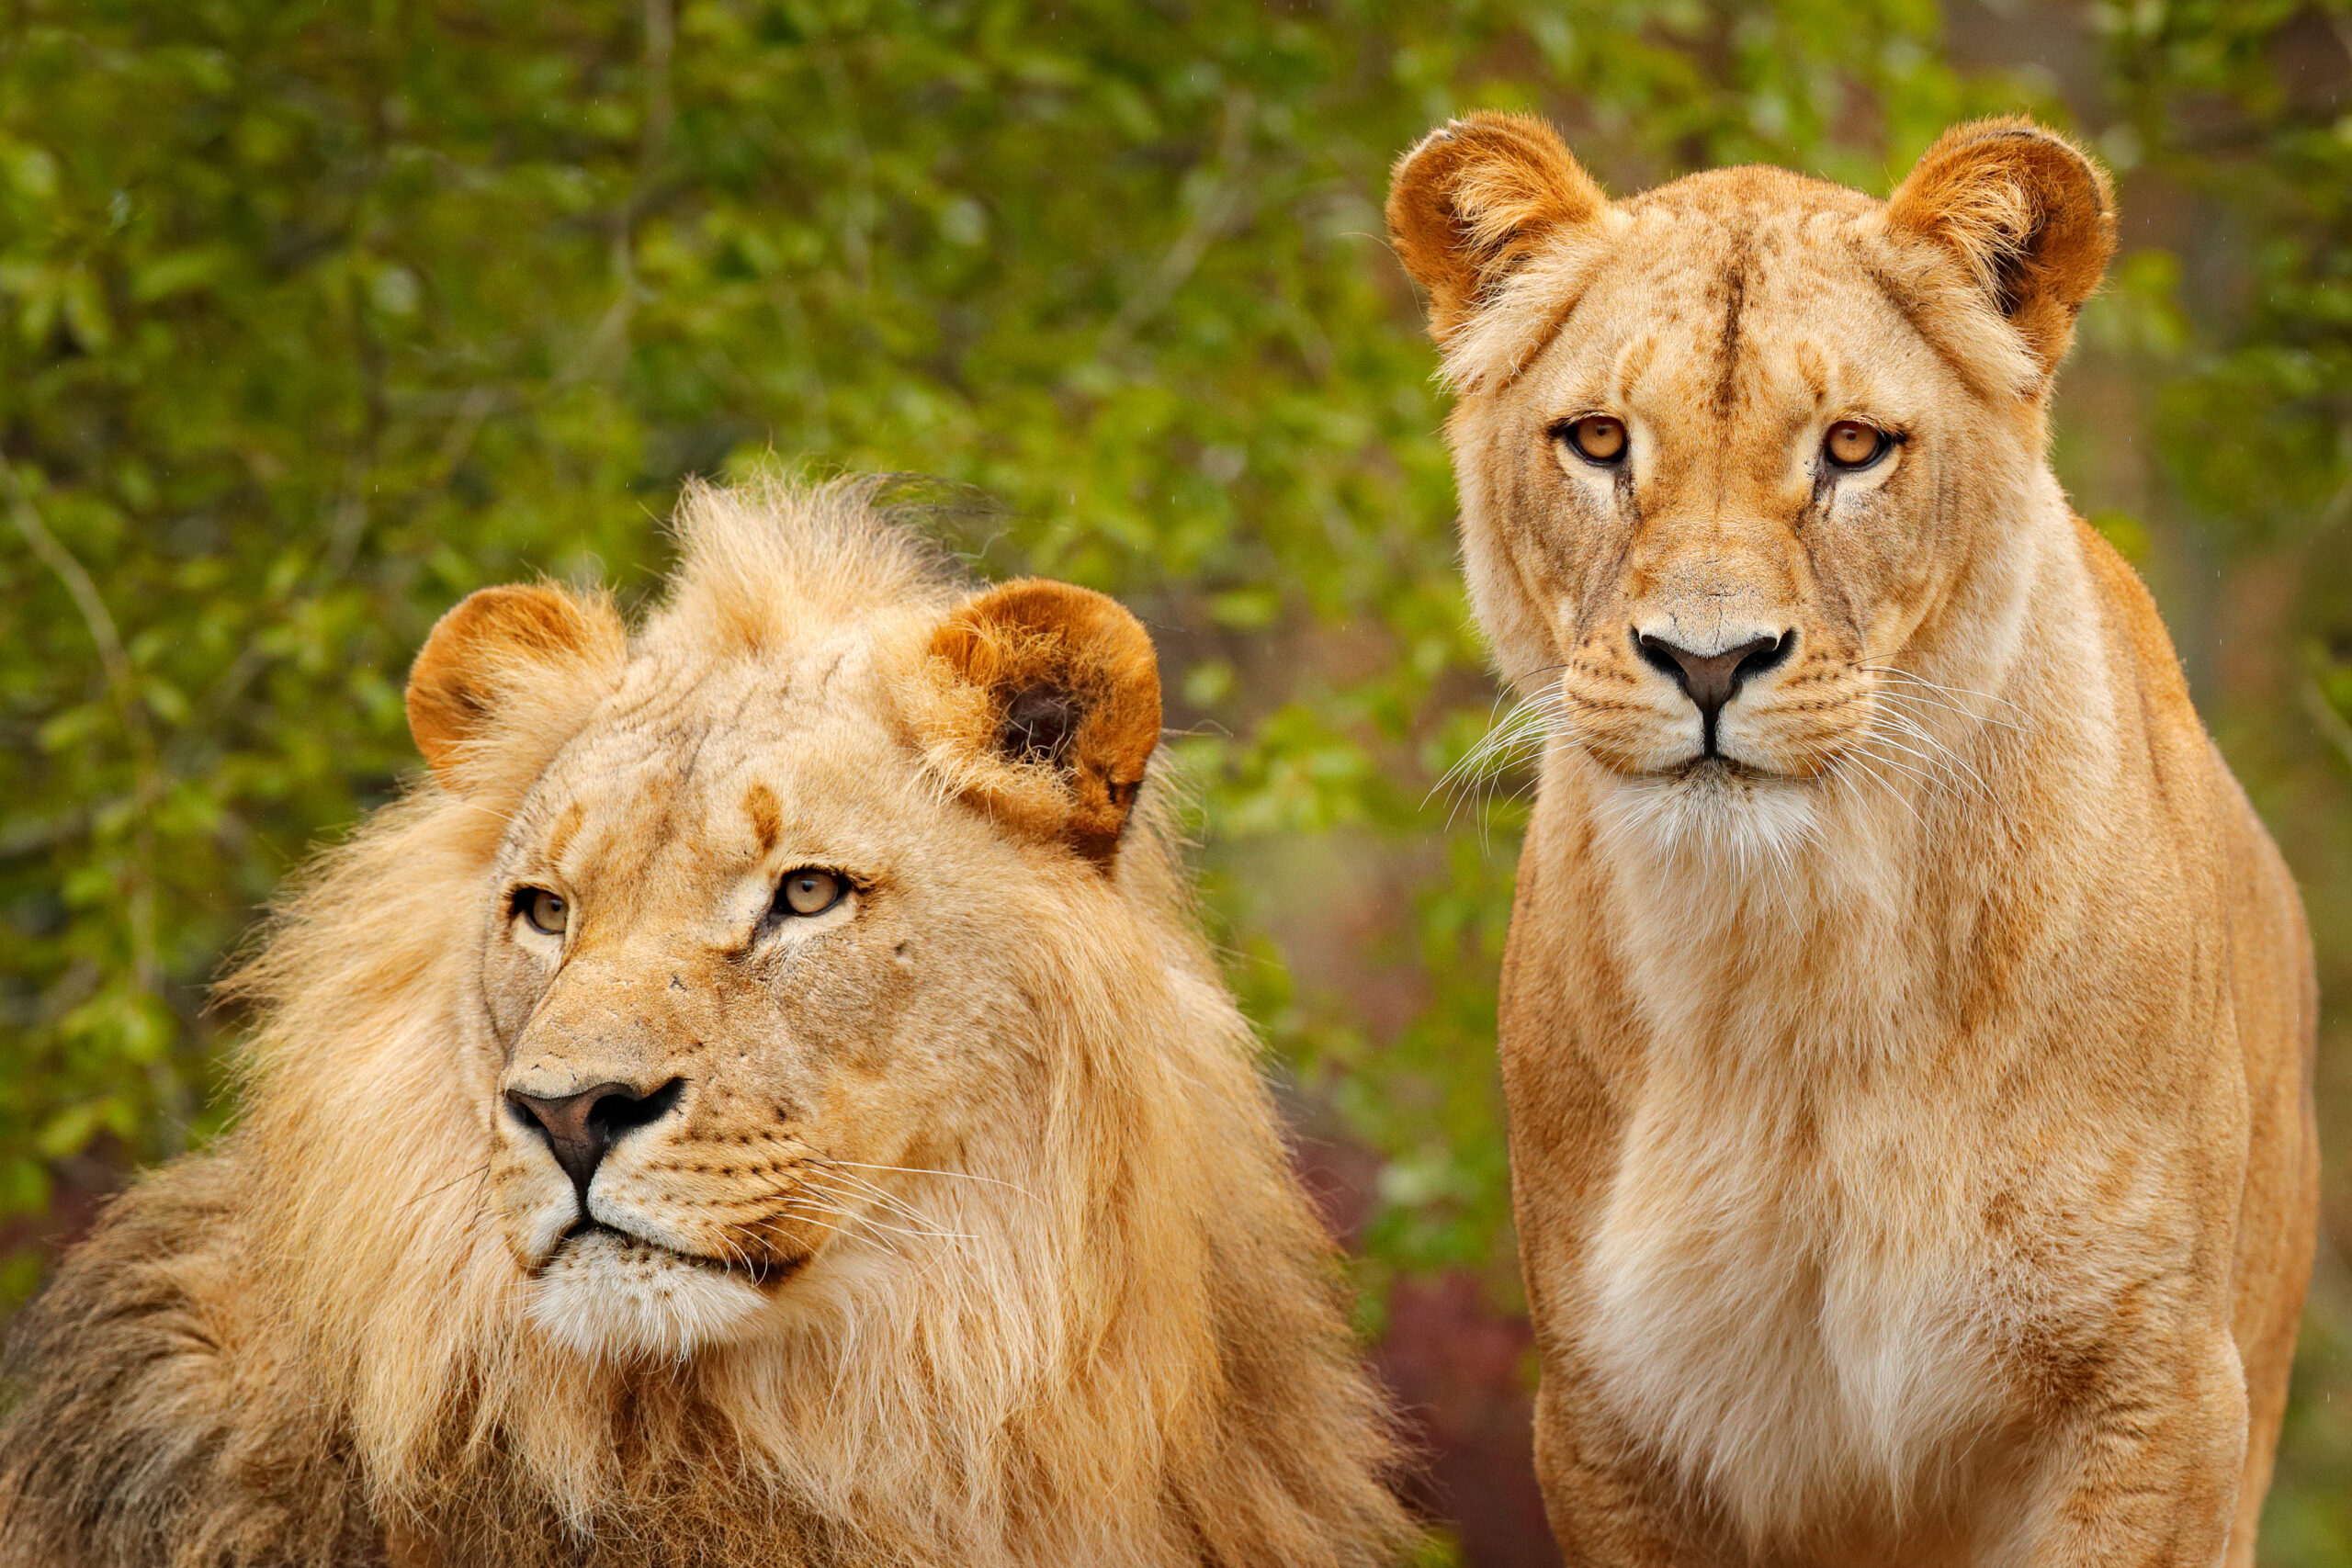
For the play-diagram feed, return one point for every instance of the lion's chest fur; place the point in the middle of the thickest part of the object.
(1787, 1298)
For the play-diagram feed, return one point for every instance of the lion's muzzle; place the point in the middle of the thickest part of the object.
(582, 1127)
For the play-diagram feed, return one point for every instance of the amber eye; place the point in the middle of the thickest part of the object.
(1597, 438)
(809, 891)
(547, 912)
(1850, 444)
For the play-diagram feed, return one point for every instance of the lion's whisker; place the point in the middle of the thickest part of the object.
(477, 1174)
(929, 1170)
(858, 1185)
(864, 1219)
(918, 1224)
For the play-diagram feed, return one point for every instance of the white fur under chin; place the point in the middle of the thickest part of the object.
(614, 1299)
(1727, 820)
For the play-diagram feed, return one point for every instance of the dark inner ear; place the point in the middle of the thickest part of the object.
(1040, 725)
(2011, 272)
(1054, 692)
(2029, 214)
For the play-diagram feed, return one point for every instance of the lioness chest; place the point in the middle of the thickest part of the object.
(1789, 1296)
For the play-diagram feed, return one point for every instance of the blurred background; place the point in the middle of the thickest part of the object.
(315, 316)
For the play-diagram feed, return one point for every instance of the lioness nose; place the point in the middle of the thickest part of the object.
(1711, 680)
(581, 1127)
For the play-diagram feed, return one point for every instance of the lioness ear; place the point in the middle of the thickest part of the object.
(2029, 216)
(1041, 701)
(513, 662)
(1469, 205)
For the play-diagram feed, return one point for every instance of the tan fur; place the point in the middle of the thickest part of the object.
(495, 681)
(1911, 1127)
(969, 1239)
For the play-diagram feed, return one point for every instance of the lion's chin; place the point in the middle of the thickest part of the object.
(613, 1297)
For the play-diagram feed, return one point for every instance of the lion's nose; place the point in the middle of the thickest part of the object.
(581, 1127)
(1711, 680)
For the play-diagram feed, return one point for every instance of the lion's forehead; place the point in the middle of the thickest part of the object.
(716, 764)
(667, 690)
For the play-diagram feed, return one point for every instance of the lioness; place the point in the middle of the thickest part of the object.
(764, 1102)
(1906, 1023)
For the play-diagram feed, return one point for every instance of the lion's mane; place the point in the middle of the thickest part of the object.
(306, 1347)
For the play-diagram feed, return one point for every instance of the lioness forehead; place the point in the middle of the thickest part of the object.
(1751, 191)
(1727, 307)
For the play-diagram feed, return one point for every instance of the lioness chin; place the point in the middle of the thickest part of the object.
(1906, 1023)
(764, 1102)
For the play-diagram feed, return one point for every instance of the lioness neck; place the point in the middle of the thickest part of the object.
(1863, 914)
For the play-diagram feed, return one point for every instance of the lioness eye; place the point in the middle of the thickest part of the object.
(809, 891)
(548, 913)
(1850, 444)
(1596, 438)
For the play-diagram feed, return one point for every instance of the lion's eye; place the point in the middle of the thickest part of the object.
(547, 912)
(809, 891)
(1850, 444)
(1597, 438)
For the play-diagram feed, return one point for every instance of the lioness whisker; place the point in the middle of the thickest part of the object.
(1945, 689)
(1919, 732)
(1935, 770)
(1947, 758)
(1895, 694)
(1867, 765)
(1534, 718)
(1528, 731)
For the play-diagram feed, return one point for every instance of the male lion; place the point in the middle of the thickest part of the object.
(764, 1101)
(1906, 1023)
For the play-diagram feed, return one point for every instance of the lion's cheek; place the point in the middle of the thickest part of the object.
(533, 1205)
(750, 1203)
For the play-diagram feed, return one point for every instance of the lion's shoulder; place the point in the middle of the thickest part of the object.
(151, 1422)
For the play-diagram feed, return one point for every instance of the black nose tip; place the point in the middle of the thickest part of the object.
(1711, 680)
(581, 1127)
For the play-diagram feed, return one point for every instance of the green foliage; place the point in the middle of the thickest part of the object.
(315, 314)
(2247, 106)
(320, 315)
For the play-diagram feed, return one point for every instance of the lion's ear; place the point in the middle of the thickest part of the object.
(1040, 702)
(508, 671)
(2027, 213)
(1469, 205)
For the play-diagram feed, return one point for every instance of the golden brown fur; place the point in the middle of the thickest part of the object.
(1909, 1097)
(960, 1234)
